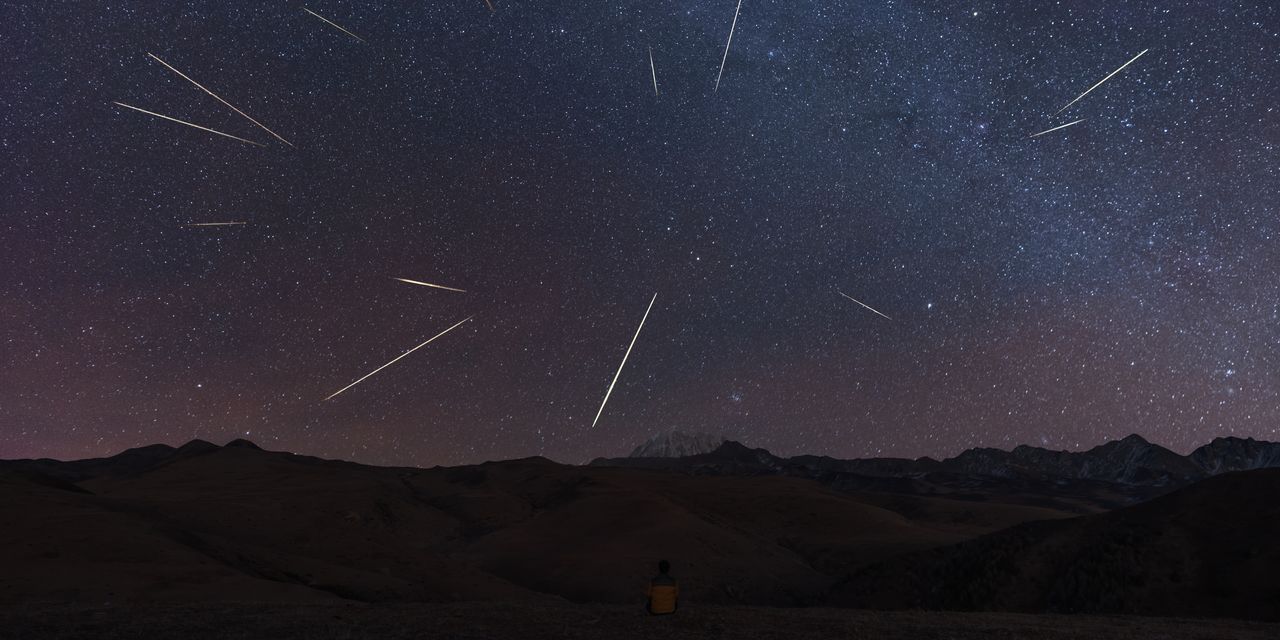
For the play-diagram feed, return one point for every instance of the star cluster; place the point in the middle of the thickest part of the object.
(1117, 276)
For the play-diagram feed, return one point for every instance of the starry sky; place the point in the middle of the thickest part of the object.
(1120, 275)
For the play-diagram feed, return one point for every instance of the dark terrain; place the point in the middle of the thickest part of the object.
(227, 523)
(156, 530)
(1206, 550)
(564, 621)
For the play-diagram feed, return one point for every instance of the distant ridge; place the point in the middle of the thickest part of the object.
(1130, 461)
(210, 524)
(677, 444)
(1234, 454)
(127, 463)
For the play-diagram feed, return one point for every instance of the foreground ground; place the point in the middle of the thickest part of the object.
(474, 621)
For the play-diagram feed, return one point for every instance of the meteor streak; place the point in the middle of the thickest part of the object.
(398, 357)
(727, 43)
(624, 361)
(1101, 81)
(152, 113)
(333, 23)
(488, 2)
(1061, 126)
(219, 98)
(864, 305)
(654, 70)
(214, 224)
(428, 284)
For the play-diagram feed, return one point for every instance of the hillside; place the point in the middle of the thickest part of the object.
(1206, 550)
(225, 523)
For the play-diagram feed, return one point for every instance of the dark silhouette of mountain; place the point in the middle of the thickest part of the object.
(128, 462)
(986, 530)
(208, 523)
(1205, 550)
(676, 444)
(1134, 468)
(1113, 475)
(1131, 460)
(730, 458)
(1236, 454)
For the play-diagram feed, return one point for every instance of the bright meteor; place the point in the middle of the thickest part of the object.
(1101, 81)
(1061, 126)
(219, 98)
(864, 305)
(152, 113)
(624, 361)
(215, 224)
(654, 70)
(428, 284)
(727, 43)
(398, 358)
(336, 25)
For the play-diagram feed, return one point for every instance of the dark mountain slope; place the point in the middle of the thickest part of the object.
(1236, 454)
(998, 479)
(677, 444)
(1131, 461)
(239, 522)
(1206, 550)
(126, 463)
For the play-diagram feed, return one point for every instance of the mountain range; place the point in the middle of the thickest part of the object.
(1131, 460)
(1126, 527)
(677, 444)
(1113, 474)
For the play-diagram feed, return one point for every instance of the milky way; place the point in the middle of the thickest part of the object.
(1120, 275)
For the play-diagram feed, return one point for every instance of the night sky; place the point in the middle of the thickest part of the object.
(1120, 275)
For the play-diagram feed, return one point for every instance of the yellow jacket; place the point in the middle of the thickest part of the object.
(663, 594)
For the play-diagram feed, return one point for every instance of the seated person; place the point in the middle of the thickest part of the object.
(663, 591)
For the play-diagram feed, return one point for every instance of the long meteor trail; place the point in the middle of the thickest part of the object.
(654, 70)
(338, 26)
(428, 284)
(1061, 126)
(1101, 81)
(158, 115)
(398, 358)
(727, 43)
(219, 98)
(624, 361)
(215, 224)
(864, 305)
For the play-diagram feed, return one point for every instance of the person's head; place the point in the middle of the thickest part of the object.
(663, 566)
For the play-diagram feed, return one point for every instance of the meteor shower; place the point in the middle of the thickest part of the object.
(692, 319)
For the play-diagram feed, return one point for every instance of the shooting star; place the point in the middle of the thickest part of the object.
(219, 98)
(333, 23)
(214, 224)
(152, 113)
(624, 361)
(864, 305)
(428, 284)
(398, 358)
(490, 3)
(1061, 126)
(654, 70)
(726, 44)
(1101, 81)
